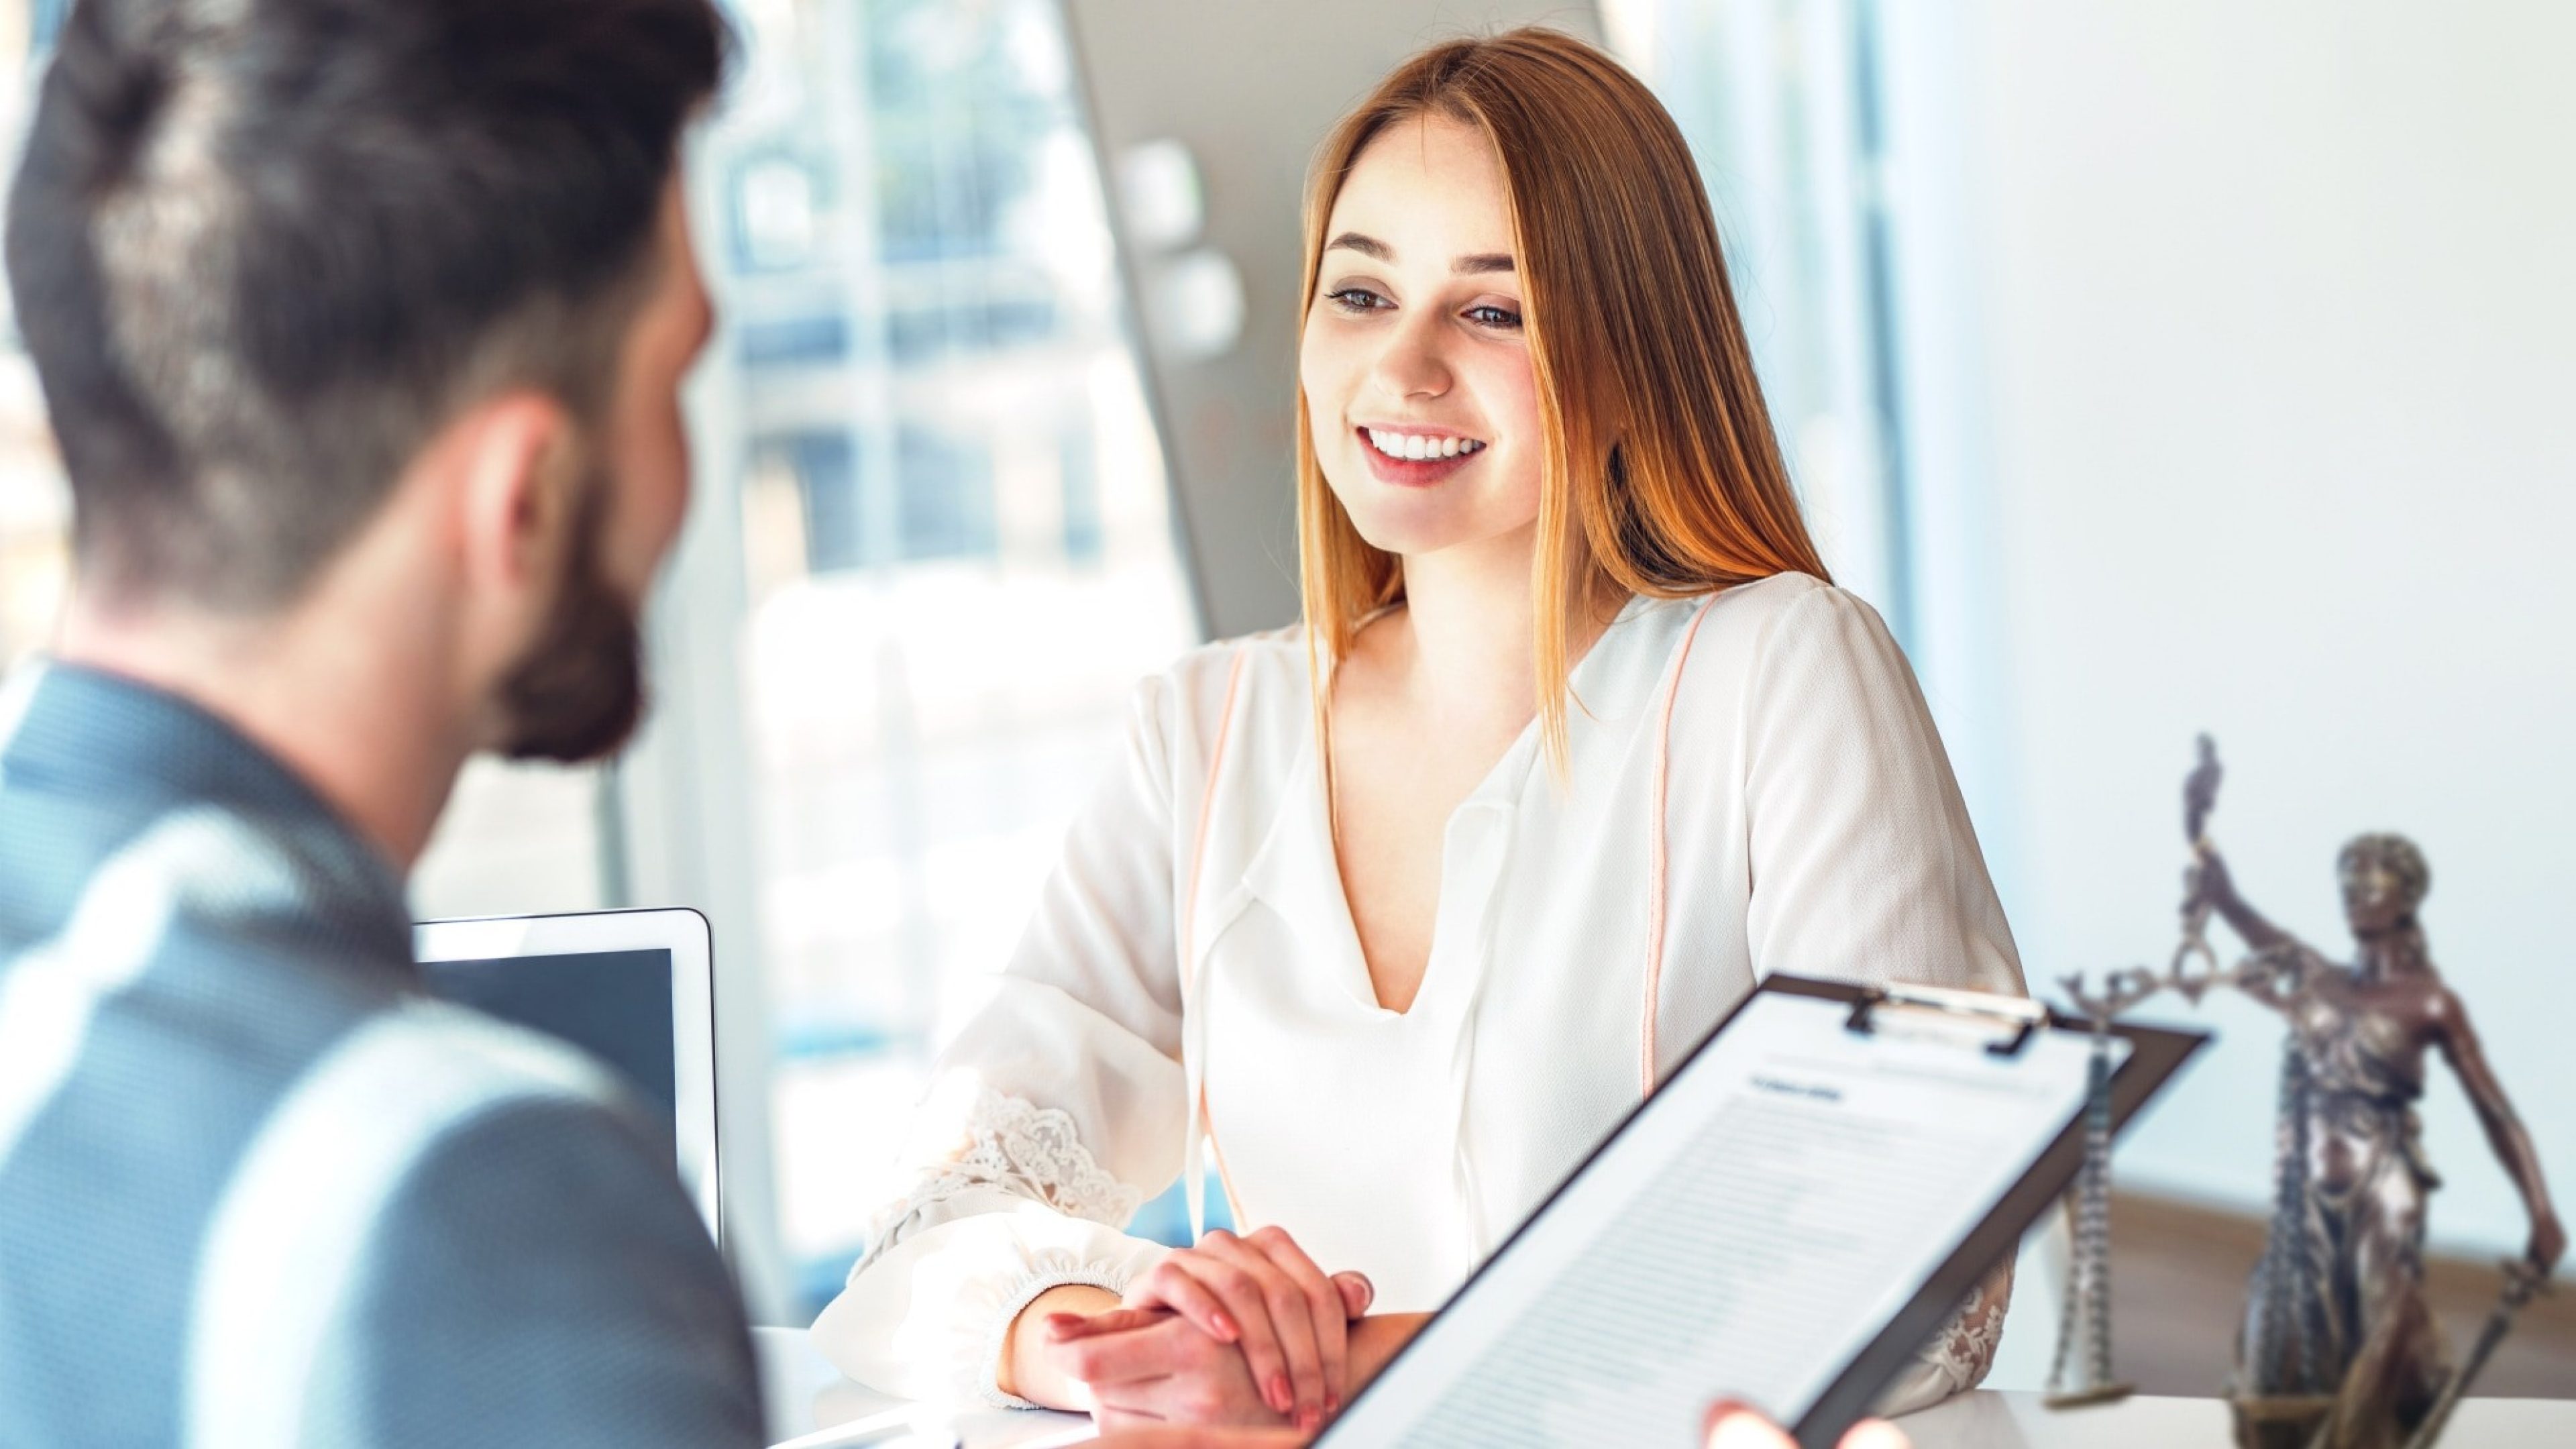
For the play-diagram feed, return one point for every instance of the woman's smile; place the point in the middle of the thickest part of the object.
(1415, 457)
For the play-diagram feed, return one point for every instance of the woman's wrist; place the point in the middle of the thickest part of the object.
(1024, 1371)
(1375, 1340)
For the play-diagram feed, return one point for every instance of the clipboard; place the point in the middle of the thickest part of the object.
(1569, 1295)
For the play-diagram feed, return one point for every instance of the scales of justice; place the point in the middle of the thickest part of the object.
(2336, 1348)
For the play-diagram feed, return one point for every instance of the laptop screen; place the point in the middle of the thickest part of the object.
(616, 1005)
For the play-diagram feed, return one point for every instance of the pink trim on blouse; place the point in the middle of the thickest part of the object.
(1201, 1122)
(1207, 800)
(1655, 863)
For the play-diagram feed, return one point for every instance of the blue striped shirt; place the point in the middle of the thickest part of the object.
(255, 1188)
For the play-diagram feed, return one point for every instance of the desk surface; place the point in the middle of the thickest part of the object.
(804, 1393)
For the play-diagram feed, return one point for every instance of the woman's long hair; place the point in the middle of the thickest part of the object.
(1659, 471)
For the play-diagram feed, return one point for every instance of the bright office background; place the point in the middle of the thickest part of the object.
(2152, 366)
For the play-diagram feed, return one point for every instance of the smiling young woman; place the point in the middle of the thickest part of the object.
(1657, 471)
(1391, 915)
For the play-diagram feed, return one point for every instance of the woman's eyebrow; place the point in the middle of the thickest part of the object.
(1466, 266)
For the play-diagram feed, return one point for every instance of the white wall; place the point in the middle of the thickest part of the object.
(2279, 363)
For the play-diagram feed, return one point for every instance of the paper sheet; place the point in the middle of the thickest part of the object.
(1748, 1235)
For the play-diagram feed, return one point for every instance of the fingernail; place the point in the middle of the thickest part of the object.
(1279, 1395)
(1226, 1332)
(1308, 1421)
(1332, 1403)
(1718, 1414)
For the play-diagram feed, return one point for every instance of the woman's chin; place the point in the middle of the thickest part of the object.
(1415, 527)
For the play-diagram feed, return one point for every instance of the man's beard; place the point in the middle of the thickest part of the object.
(579, 692)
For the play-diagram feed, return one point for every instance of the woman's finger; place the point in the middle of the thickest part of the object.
(1199, 1381)
(1236, 1274)
(1245, 1305)
(1114, 1364)
(1118, 1420)
(1292, 1326)
(1170, 1284)
(1324, 1311)
(1066, 1327)
(1357, 1293)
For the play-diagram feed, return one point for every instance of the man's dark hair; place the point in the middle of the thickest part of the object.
(263, 249)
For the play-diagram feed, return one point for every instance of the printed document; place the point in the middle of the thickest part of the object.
(1747, 1235)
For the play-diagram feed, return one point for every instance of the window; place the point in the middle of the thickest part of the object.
(955, 553)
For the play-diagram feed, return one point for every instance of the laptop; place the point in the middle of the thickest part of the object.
(634, 989)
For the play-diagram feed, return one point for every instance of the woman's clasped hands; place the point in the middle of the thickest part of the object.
(1237, 1330)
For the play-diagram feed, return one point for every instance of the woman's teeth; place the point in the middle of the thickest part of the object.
(1415, 445)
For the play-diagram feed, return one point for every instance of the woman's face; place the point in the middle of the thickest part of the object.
(2374, 894)
(1416, 374)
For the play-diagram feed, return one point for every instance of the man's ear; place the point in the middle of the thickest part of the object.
(514, 474)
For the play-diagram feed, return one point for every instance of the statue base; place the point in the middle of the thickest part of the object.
(2279, 1422)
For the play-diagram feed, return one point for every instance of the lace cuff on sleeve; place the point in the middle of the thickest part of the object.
(1020, 1147)
(1957, 1358)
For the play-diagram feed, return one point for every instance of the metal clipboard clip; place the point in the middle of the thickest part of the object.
(2014, 1020)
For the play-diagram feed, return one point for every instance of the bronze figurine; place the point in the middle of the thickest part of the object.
(2337, 1348)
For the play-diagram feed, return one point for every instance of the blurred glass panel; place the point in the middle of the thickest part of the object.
(955, 534)
(1780, 100)
(35, 509)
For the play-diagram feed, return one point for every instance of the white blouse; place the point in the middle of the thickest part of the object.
(1756, 786)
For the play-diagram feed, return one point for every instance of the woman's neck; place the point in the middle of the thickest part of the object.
(1466, 654)
(2397, 951)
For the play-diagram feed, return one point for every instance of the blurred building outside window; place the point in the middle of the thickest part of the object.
(957, 551)
(1780, 102)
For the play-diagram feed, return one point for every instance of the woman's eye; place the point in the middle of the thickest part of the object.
(1357, 299)
(1501, 319)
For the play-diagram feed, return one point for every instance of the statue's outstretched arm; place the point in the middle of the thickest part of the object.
(2459, 1043)
(2217, 888)
(2274, 978)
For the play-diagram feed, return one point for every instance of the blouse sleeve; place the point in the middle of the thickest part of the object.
(1864, 864)
(1054, 1114)
(1865, 867)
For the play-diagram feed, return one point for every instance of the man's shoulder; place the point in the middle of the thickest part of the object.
(449, 1212)
(360, 1132)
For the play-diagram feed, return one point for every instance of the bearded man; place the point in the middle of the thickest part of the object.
(361, 324)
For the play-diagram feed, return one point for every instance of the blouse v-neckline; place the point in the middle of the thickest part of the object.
(1297, 869)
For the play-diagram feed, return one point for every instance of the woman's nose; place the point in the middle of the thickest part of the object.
(1410, 364)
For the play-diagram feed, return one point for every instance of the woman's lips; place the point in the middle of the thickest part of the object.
(1409, 472)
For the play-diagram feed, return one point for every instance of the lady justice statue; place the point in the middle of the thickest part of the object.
(2337, 1347)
